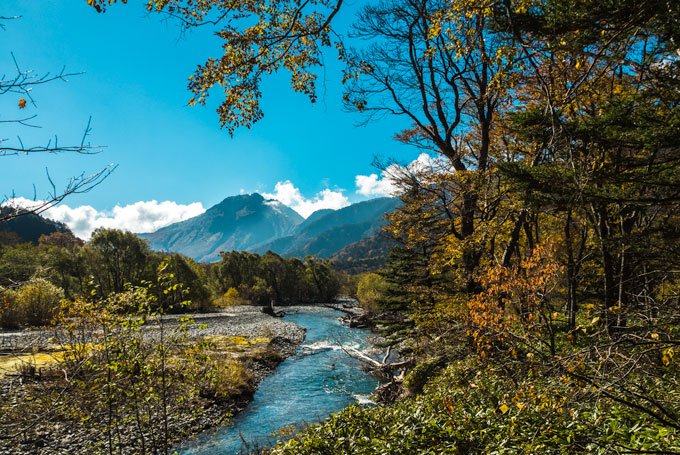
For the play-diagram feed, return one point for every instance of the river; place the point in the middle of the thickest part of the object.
(305, 388)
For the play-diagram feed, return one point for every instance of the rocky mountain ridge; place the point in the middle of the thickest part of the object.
(253, 223)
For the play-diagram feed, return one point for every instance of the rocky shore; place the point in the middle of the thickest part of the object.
(244, 321)
(67, 437)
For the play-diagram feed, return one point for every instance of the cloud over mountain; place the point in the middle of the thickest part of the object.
(289, 195)
(142, 216)
(372, 185)
(149, 216)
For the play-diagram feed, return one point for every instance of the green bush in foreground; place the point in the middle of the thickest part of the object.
(471, 408)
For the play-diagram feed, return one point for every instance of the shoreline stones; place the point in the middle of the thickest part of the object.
(60, 437)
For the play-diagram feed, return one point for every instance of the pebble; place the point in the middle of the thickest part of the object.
(243, 321)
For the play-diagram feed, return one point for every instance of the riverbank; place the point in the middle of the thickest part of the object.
(319, 380)
(253, 339)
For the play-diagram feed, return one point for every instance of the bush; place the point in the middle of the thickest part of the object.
(474, 407)
(416, 379)
(38, 301)
(232, 298)
(230, 379)
(33, 304)
(369, 290)
(10, 315)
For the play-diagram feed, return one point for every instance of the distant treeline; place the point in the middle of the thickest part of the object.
(260, 279)
(35, 277)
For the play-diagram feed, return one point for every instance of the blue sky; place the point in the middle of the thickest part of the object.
(134, 87)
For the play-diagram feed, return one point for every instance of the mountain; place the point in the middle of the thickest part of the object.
(326, 233)
(366, 255)
(236, 223)
(314, 217)
(251, 223)
(28, 227)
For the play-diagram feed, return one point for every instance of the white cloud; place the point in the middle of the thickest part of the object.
(142, 216)
(288, 194)
(371, 185)
(22, 202)
(384, 185)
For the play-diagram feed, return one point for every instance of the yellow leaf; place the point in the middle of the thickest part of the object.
(504, 408)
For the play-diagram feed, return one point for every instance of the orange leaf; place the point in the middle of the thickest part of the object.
(22, 103)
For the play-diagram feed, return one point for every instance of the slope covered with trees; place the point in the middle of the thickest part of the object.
(368, 254)
(27, 227)
(34, 279)
(540, 305)
(535, 288)
(327, 233)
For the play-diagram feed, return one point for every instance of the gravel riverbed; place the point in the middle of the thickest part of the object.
(242, 321)
(64, 437)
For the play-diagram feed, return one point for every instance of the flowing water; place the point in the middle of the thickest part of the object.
(306, 388)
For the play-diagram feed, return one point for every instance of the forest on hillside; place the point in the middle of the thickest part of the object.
(535, 283)
(534, 291)
(35, 279)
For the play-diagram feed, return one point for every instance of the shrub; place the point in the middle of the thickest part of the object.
(370, 288)
(10, 315)
(229, 378)
(38, 301)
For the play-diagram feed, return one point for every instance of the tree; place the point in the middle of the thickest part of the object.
(259, 38)
(443, 67)
(121, 258)
(64, 259)
(186, 281)
(601, 104)
(18, 264)
(369, 290)
(19, 84)
(325, 282)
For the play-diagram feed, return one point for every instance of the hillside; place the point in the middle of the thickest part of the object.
(28, 227)
(330, 232)
(236, 223)
(365, 255)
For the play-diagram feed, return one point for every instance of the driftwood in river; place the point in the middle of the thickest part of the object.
(353, 318)
(385, 370)
(339, 308)
(271, 311)
(382, 368)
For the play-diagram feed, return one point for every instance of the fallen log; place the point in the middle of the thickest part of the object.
(393, 387)
(384, 368)
(272, 312)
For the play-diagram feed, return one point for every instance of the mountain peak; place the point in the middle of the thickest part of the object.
(236, 223)
(240, 199)
(251, 222)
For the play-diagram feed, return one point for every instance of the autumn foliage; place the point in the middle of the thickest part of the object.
(535, 278)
